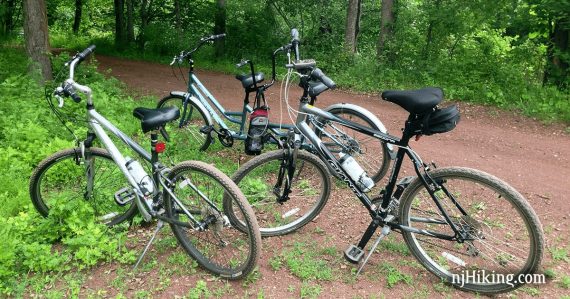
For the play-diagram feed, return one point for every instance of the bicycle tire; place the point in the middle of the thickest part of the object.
(309, 194)
(187, 134)
(493, 225)
(222, 191)
(370, 153)
(61, 168)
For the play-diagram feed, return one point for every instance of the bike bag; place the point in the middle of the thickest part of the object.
(436, 121)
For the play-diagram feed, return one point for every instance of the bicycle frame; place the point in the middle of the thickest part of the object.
(208, 101)
(378, 214)
(97, 126)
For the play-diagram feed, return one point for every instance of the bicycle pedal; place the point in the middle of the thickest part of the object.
(405, 181)
(124, 196)
(353, 254)
(206, 129)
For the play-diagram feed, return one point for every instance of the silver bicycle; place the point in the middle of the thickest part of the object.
(193, 197)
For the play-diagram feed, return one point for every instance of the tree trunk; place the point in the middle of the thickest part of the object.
(429, 37)
(178, 19)
(556, 71)
(146, 7)
(386, 25)
(7, 17)
(119, 23)
(130, 22)
(352, 25)
(36, 35)
(77, 18)
(220, 26)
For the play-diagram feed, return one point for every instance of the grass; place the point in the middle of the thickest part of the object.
(393, 275)
(304, 261)
(395, 246)
(309, 290)
(534, 292)
(564, 282)
(559, 254)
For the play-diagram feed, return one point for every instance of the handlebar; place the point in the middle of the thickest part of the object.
(179, 58)
(318, 74)
(303, 66)
(212, 37)
(69, 87)
(295, 42)
(85, 53)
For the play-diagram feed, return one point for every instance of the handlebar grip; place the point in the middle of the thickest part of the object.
(295, 34)
(81, 56)
(75, 97)
(242, 63)
(295, 42)
(319, 75)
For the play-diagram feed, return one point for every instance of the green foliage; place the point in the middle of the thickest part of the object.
(491, 52)
(564, 282)
(310, 290)
(200, 291)
(30, 133)
(393, 275)
(304, 262)
(559, 254)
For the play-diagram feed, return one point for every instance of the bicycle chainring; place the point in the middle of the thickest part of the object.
(225, 138)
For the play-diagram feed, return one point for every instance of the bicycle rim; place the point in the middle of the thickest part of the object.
(59, 184)
(185, 131)
(310, 190)
(218, 247)
(370, 153)
(504, 237)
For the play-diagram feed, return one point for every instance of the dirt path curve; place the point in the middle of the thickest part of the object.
(532, 157)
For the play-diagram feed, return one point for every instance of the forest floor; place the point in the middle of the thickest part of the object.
(533, 157)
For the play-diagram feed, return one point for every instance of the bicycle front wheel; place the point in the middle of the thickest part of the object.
(370, 153)
(503, 236)
(185, 131)
(205, 193)
(310, 189)
(64, 179)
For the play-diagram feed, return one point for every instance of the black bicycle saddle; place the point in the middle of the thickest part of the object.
(153, 119)
(247, 81)
(417, 101)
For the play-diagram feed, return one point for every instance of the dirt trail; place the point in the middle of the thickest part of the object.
(534, 158)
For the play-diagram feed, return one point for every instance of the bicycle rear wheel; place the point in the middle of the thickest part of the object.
(503, 234)
(310, 189)
(370, 153)
(185, 131)
(64, 178)
(218, 246)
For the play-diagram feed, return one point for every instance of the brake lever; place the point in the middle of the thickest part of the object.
(57, 93)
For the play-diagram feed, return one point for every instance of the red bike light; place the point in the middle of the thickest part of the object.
(160, 147)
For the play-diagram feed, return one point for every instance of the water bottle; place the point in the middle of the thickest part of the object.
(141, 177)
(356, 173)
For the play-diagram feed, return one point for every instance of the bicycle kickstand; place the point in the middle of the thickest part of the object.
(385, 231)
(159, 225)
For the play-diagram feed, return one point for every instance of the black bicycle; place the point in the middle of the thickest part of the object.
(459, 223)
